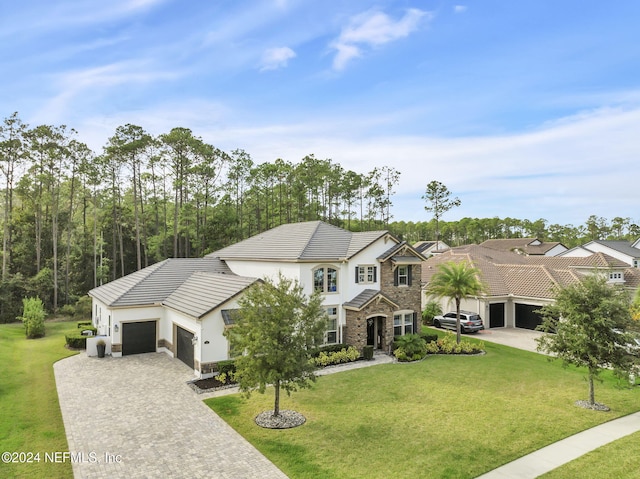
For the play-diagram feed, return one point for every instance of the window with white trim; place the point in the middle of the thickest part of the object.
(366, 274)
(403, 323)
(331, 333)
(402, 275)
(615, 276)
(325, 279)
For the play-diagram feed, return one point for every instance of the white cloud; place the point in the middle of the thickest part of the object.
(460, 8)
(274, 58)
(370, 29)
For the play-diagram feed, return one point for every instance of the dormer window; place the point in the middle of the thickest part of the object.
(325, 279)
(616, 276)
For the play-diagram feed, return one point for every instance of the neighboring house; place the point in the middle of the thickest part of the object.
(428, 248)
(519, 284)
(370, 283)
(622, 250)
(526, 246)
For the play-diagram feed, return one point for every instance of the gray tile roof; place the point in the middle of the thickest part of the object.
(402, 252)
(307, 241)
(507, 273)
(152, 285)
(364, 298)
(203, 292)
(623, 247)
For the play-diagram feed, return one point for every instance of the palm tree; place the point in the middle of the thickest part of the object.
(457, 281)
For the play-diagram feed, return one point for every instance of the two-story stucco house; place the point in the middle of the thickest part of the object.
(370, 282)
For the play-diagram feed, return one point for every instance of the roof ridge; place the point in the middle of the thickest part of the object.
(158, 265)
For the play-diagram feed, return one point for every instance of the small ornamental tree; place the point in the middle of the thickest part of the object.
(33, 317)
(589, 322)
(277, 328)
(457, 281)
(431, 310)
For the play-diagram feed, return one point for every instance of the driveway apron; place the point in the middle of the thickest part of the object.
(135, 417)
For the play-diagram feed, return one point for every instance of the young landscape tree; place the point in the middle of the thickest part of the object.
(33, 317)
(589, 320)
(457, 281)
(276, 329)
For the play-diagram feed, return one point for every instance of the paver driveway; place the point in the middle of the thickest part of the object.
(137, 412)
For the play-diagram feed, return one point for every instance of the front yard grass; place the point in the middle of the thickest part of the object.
(31, 421)
(617, 460)
(444, 417)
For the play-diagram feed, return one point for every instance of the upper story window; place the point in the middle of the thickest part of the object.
(325, 279)
(636, 263)
(402, 275)
(366, 274)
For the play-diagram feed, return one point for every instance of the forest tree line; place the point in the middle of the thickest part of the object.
(74, 218)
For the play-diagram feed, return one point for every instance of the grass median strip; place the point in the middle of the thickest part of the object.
(444, 417)
(31, 421)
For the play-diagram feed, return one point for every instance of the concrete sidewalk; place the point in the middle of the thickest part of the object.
(566, 450)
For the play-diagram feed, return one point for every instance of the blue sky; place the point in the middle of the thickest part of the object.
(527, 109)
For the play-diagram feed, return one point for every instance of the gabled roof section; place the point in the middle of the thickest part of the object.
(202, 292)
(307, 241)
(403, 253)
(367, 297)
(152, 285)
(623, 247)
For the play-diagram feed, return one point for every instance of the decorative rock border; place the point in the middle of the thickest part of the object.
(595, 406)
(286, 420)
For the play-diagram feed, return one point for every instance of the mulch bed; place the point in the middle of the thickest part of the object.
(209, 384)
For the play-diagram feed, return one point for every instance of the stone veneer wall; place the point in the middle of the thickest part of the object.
(406, 297)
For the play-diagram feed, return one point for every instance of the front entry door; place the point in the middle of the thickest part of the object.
(371, 331)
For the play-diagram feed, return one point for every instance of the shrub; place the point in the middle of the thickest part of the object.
(328, 348)
(84, 324)
(448, 345)
(367, 352)
(411, 343)
(428, 337)
(338, 357)
(430, 310)
(401, 354)
(227, 367)
(226, 377)
(33, 317)
(76, 341)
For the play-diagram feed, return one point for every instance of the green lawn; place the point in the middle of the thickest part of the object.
(31, 421)
(444, 417)
(617, 460)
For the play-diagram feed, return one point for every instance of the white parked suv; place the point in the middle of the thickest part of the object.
(469, 322)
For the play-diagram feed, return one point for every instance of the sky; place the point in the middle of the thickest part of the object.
(526, 109)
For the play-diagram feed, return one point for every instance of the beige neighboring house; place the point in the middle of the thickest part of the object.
(370, 285)
(520, 284)
(526, 246)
